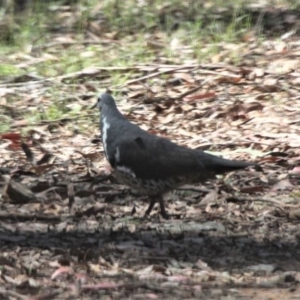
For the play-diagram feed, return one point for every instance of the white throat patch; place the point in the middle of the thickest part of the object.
(105, 127)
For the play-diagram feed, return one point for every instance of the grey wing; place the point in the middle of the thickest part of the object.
(155, 157)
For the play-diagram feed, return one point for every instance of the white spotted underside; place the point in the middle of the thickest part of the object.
(145, 186)
(126, 171)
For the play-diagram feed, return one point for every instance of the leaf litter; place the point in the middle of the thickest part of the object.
(69, 231)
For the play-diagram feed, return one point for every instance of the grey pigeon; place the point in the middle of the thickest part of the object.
(152, 165)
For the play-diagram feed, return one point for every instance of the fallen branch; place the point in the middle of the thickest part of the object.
(277, 203)
(9, 293)
(71, 43)
(156, 74)
(192, 91)
(31, 217)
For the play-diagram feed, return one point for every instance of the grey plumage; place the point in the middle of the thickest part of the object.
(150, 164)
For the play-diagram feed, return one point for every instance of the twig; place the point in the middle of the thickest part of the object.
(277, 203)
(30, 217)
(5, 170)
(193, 189)
(192, 91)
(69, 43)
(46, 122)
(156, 74)
(26, 84)
(12, 294)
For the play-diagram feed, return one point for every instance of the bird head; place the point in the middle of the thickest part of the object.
(105, 100)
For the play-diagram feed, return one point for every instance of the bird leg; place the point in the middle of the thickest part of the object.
(159, 199)
(151, 205)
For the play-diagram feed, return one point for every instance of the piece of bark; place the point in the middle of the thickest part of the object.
(19, 193)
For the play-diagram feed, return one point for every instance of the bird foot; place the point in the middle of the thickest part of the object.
(159, 199)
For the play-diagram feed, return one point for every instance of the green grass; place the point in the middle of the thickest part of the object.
(5, 123)
(131, 22)
(202, 30)
(8, 70)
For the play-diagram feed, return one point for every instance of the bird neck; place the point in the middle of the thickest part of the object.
(112, 112)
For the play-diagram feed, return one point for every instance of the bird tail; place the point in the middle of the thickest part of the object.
(222, 165)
